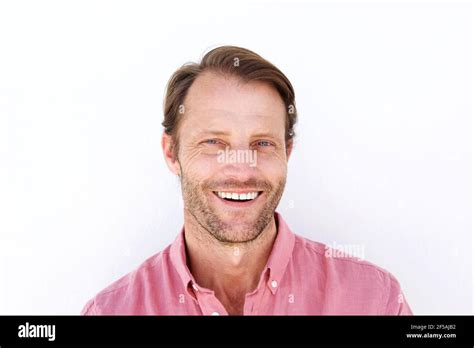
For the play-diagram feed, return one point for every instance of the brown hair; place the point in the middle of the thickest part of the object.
(235, 61)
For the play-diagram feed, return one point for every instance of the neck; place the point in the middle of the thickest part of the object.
(230, 269)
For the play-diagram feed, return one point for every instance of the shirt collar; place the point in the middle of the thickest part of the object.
(276, 265)
(281, 253)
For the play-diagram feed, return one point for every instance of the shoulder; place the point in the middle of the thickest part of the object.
(344, 270)
(123, 293)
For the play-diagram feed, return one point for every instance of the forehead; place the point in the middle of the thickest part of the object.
(215, 97)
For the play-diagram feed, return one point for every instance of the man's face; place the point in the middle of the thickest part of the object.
(232, 158)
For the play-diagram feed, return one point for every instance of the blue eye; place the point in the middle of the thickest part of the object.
(264, 143)
(211, 141)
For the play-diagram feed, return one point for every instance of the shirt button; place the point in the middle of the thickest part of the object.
(195, 287)
(215, 313)
(274, 283)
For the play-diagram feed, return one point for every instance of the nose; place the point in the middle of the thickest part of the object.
(238, 162)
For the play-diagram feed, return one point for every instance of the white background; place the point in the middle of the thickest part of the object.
(382, 158)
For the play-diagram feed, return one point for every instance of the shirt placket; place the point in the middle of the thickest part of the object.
(254, 300)
(208, 302)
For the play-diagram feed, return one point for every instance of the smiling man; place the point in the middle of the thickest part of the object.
(228, 136)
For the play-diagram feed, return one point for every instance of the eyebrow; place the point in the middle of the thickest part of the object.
(211, 132)
(264, 135)
(224, 133)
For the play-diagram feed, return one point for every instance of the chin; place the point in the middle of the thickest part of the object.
(237, 234)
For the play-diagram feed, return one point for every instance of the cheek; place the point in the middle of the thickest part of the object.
(200, 166)
(272, 165)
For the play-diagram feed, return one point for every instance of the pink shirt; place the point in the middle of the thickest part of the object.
(299, 279)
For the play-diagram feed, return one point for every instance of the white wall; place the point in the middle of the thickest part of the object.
(382, 159)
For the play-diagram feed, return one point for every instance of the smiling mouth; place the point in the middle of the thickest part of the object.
(237, 196)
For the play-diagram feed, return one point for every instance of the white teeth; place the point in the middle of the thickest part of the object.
(237, 196)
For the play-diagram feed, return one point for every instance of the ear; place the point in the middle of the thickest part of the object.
(168, 144)
(289, 149)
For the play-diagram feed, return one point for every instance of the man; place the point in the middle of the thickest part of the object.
(228, 136)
